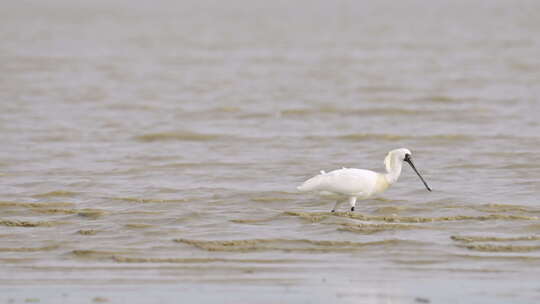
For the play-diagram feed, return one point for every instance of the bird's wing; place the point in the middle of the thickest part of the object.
(342, 181)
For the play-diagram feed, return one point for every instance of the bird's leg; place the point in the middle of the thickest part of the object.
(338, 202)
(352, 202)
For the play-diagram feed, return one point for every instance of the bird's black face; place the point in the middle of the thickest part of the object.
(409, 160)
(407, 157)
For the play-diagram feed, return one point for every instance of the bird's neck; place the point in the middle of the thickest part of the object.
(393, 172)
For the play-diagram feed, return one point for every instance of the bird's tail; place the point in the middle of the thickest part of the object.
(303, 188)
(311, 184)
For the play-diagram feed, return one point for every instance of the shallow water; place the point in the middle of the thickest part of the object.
(157, 147)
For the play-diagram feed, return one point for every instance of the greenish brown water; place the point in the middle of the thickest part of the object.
(149, 152)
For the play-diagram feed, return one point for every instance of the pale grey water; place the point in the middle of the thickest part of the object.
(132, 132)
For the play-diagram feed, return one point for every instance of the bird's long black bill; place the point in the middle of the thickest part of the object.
(409, 160)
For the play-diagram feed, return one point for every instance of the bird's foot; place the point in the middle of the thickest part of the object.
(352, 209)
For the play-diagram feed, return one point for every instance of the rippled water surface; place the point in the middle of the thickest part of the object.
(150, 151)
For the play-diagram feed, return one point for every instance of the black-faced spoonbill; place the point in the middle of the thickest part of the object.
(352, 184)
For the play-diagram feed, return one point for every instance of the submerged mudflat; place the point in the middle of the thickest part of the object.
(139, 241)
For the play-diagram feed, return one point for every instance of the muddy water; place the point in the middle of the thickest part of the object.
(157, 147)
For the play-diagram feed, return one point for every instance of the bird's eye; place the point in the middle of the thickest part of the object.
(407, 156)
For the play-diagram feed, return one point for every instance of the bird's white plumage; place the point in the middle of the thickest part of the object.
(351, 184)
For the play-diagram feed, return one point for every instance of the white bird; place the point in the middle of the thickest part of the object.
(352, 184)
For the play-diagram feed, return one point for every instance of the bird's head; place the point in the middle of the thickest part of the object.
(395, 156)
(399, 156)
